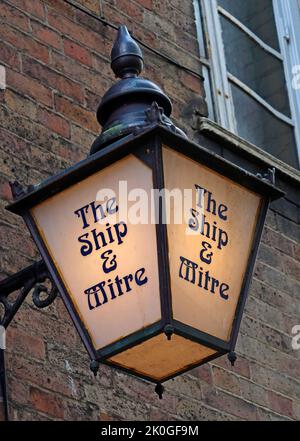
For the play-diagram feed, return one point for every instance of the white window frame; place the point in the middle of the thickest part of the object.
(287, 18)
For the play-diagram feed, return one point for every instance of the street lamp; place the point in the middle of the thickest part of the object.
(151, 241)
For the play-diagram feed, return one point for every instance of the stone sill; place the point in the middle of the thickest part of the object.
(242, 147)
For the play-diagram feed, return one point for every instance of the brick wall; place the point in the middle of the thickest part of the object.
(57, 65)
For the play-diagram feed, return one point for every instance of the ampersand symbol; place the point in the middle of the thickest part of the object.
(110, 263)
(205, 256)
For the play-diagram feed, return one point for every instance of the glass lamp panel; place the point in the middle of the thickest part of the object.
(210, 248)
(108, 263)
(159, 358)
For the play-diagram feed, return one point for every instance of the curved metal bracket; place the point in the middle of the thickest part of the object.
(269, 176)
(24, 281)
(154, 115)
(50, 295)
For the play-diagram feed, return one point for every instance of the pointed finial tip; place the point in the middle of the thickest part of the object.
(126, 55)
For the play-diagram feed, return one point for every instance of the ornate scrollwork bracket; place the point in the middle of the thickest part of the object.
(24, 281)
(155, 115)
(269, 176)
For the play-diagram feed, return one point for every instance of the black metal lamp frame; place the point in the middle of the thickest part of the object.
(24, 281)
(131, 125)
(147, 146)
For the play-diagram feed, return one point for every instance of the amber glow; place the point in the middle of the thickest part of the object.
(208, 265)
(110, 269)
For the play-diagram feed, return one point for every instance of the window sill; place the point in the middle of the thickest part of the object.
(244, 148)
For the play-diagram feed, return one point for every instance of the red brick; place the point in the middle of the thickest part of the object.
(146, 3)
(291, 267)
(185, 7)
(2, 95)
(144, 35)
(20, 104)
(79, 33)
(131, 387)
(23, 150)
(185, 24)
(42, 375)
(226, 380)
(82, 138)
(131, 9)
(77, 52)
(277, 241)
(23, 342)
(91, 23)
(230, 404)
(159, 415)
(53, 79)
(182, 95)
(296, 410)
(45, 402)
(29, 87)
(35, 7)
(8, 55)
(78, 114)
(92, 100)
(16, 240)
(68, 66)
(54, 122)
(25, 43)
(5, 190)
(276, 279)
(203, 372)
(48, 152)
(296, 251)
(241, 367)
(190, 44)
(280, 404)
(70, 152)
(19, 393)
(118, 17)
(105, 417)
(63, 333)
(46, 35)
(13, 16)
(62, 7)
(92, 5)
(192, 410)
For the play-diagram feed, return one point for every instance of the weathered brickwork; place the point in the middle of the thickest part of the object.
(57, 65)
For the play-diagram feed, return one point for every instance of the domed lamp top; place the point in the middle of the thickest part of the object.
(123, 107)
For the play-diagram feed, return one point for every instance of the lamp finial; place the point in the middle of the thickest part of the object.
(126, 55)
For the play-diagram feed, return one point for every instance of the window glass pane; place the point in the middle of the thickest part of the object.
(258, 69)
(259, 126)
(257, 15)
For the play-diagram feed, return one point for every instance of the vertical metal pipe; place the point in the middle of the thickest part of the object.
(3, 388)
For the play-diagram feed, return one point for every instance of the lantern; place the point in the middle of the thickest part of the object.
(151, 240)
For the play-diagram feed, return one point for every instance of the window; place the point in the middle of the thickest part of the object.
(250, 51)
